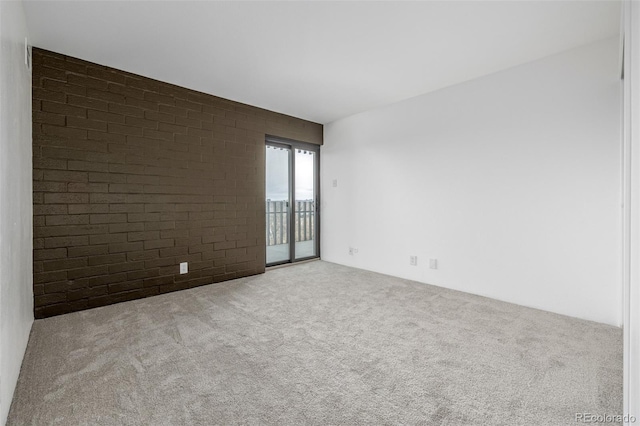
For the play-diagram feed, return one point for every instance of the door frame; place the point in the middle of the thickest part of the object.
(292, 145)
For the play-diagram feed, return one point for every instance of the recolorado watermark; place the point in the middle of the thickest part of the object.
(604, 418)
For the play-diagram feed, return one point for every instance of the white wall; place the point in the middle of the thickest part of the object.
(631, 252)
(512, 181)
(16, 270)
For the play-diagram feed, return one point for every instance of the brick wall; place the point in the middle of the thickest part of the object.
(132, 176)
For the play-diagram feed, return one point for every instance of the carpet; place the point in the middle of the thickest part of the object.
(317, 344)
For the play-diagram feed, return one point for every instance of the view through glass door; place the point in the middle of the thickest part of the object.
(291, 201)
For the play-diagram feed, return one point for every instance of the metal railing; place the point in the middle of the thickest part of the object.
(277, 213)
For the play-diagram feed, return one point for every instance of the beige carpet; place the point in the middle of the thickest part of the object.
(317, 344)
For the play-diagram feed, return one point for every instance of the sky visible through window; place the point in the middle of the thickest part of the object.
(277, 179)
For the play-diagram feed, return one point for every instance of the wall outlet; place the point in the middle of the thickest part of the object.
(433, 263)
(184, 268)
(335, 183)
(353, 250)
(413, 260)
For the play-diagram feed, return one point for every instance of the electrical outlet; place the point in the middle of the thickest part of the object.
(353, 250)
(413, 260)
(433, 263)
(184, 268)
(335, 183)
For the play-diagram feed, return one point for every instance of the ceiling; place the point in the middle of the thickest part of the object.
(317, 60)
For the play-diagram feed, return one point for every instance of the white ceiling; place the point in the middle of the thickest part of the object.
(317, 60)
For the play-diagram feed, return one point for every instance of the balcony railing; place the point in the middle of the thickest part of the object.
(278, 221)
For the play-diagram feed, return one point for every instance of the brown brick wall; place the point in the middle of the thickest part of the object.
(132, 176)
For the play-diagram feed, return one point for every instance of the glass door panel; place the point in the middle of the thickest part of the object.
(291, 201)
(278, 202)
(304, 209)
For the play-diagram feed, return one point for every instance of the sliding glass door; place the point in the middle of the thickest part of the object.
(291, 201)
(305, 204)
(278, 192)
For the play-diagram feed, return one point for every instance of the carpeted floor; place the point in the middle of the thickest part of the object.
(317, 344)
